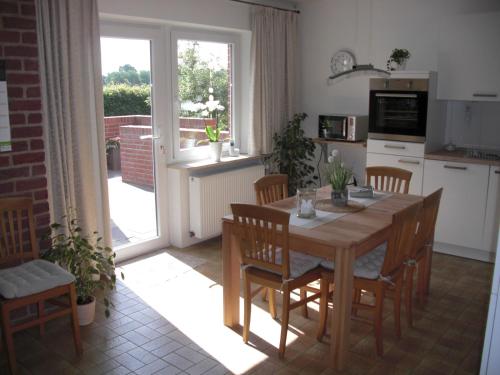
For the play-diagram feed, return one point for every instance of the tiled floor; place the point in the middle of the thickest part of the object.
(167, 320)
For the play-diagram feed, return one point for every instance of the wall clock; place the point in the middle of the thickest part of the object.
(342, 61)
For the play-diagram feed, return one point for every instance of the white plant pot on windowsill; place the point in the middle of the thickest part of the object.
(215, 150)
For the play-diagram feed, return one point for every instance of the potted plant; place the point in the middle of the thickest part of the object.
(88, 260)
(293, 154)
(215, 144)
(113, 153)
(338, 176)
(399, 56)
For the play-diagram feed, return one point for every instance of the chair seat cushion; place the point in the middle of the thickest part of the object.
(367, 266)
(32, 277)
(300, 263)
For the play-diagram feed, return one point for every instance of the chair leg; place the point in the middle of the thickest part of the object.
(265, 294)
(285, 313)
(41, 313)
(9, 341)
(427, 270)
(379, 309)
(303, 296)
(74, 320)
(356, 298)
(397, 307)
(247, 295)
(323, 308)
(272, 302)
(410, 271)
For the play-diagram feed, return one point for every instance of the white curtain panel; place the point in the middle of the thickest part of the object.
(70, 67)
(273, 54)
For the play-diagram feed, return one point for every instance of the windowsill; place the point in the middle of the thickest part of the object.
(205, 164)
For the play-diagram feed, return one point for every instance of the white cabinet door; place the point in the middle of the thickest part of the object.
(463, 204)
(492, 221)
(396, 148)
(414, 165)
(468, 57)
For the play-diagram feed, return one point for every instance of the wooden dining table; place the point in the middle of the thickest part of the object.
(342, 240)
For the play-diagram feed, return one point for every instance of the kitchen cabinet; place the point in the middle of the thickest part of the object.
(492, 220)
(468, 57)
(463, 204)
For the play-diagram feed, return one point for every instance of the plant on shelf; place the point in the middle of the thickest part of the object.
(293, 154)
(91, 262)
(399, 56)
(339, 176)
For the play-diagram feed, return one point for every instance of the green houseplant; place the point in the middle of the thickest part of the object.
(88, 260)
(293, 154)
(338, 176)
(399, 56)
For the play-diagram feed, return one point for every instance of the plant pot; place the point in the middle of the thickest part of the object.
(340, 197)
(215, 150)
(402, 65)
(113, 159)
(86, 313)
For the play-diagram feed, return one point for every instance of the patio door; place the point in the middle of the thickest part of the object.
(133, 84)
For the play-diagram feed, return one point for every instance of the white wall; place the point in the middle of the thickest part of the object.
(371, 29)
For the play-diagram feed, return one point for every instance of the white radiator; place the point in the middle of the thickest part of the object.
(210, 198)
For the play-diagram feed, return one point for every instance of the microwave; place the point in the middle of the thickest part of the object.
(343, 127)
(398, 109)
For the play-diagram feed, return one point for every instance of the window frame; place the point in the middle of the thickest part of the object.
(201, 152)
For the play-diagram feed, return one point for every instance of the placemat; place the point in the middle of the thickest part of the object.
(326, 205)
(377, 197)
(322, 217)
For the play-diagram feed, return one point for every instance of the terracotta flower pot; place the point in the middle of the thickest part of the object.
(86, 313)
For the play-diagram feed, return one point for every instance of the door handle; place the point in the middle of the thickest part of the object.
(485, 95)
(148, 136)
(408, 161)
(395, 147)
(455, 167)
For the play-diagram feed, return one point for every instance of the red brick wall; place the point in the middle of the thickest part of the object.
(136, 155)
(112, 123)
(22, 171)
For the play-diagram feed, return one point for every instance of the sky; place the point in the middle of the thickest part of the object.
(116, 52)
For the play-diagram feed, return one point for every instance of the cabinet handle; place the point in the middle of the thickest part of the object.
(497, 172)
(455, 167)
(396, 147)
(408, 161)
(484, 95)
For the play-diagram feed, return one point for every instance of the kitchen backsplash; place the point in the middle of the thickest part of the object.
(473, 124)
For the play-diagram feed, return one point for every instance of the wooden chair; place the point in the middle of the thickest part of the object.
(43, 281)
(378, 271)
(262, 233)
(420, 256)
(271, 188)
(394, 180)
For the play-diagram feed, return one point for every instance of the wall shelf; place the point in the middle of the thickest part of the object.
(324, 141)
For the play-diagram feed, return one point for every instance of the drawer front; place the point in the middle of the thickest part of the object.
(492, 221)
(463, 204)
(396, 148)
(414, 165)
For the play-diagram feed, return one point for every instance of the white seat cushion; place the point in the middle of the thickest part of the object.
(32, 277)
(300, 263)
(367, 266)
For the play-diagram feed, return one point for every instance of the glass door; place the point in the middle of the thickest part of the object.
(134, 146)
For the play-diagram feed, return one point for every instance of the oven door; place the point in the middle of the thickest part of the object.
(398, 115)
(333, 127)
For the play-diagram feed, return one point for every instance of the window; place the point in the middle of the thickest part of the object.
(203, 91)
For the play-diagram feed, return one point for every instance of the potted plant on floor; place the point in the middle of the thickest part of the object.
(339, 177)
(88, 260)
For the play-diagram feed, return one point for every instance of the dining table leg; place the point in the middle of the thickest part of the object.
(230, 276)
(342, 302)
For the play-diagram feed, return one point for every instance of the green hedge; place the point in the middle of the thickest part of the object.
(122, 99)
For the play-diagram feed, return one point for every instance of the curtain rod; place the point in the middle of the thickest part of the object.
(266, 6)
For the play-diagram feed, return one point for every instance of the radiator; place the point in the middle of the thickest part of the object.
(210, 198)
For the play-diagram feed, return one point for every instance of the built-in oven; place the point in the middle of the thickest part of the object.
(398, 109)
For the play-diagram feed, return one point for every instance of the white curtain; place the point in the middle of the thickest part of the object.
(273, 75)
(69, 43)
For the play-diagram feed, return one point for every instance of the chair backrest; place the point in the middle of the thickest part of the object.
(17, 231)
(394, 180)
(271, 188)
(403, 236)
(427, 221)
(259, 230)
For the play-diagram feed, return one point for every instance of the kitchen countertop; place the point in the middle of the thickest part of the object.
(459, 156)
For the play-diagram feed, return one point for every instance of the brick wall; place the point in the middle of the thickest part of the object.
(22, 171)
(112, 123)
(136, 155)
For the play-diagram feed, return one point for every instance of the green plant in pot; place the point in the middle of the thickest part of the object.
(214, 143)
(88, 259)
(338, 176)
(399, 56)
(293, 155)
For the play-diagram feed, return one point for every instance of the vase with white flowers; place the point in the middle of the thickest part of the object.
(338, 176)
